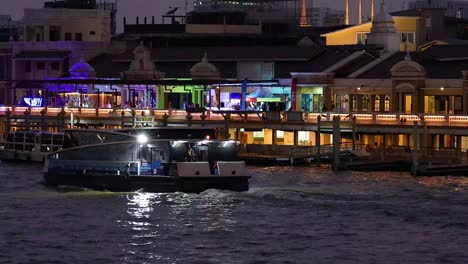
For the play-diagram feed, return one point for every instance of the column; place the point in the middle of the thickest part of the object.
(296, 137)
(400, 102)
(274, 139)
(327, 98)
(317, 140)
(336, 142)
(465, 103)
(414, 153)
(425, 138)
(354, 133)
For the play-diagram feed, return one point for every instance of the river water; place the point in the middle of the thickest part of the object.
(290, 215)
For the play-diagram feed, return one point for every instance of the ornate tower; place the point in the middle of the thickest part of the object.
(304, 21)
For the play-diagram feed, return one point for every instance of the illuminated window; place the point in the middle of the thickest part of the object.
(387, 103)
(377, 103)
(365, 103)
(407, 36)
(361, 37)
(258, 135)
(279, 134)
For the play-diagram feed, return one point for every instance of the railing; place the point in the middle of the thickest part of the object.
(297, 151)
(241, 116)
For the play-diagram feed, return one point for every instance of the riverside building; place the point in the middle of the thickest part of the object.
(391, 77)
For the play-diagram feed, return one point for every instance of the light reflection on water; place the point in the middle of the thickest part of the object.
(290, 215)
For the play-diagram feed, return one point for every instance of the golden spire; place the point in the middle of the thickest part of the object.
(372, 10)
(360, 12)
(304, 21)
(347, 13)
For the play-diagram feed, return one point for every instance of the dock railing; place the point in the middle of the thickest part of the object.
(236, 116)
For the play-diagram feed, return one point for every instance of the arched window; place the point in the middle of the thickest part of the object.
(365, 103)
(355, 108)
(377, 103)
(387, 103)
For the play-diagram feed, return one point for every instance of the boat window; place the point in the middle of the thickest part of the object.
(19, 137)
(30, 137)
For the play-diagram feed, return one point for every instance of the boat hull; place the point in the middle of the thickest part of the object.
(149, 183)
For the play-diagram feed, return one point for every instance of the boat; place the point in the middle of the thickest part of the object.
(121, 161)
(30, 145)
(34, 145)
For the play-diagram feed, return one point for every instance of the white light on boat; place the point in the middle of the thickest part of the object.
(225, 143)
(203, 142)
(207, 137)
(142, 139)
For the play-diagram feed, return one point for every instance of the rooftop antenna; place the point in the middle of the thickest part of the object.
(172, 10)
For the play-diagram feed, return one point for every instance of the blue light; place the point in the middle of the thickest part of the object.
(33, 102)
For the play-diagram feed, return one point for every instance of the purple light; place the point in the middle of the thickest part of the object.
(33, 102)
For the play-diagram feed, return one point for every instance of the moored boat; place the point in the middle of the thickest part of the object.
(154, 165)
(30, 145)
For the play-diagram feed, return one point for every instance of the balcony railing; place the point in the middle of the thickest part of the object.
(244, 116)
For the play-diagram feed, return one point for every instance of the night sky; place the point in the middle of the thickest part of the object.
(133, 8)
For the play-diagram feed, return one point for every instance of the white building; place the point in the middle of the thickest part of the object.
(325, 17)
(455, 8)
(62, 24)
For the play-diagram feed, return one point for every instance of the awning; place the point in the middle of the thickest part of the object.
(262, 95)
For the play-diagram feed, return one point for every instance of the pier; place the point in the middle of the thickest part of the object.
(350, 141)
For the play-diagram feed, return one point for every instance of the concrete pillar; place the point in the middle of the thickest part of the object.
(122, 119)
(383, 146)
(165, 118)
(227, 120)
(203, 117)
(400, 102)
(465, 102)
(336, 142)
(61, 116)
(354, 133)
(459, 143)
(189, 119)
(327, 98)
(27, 120)
(274, 138)
(425, 138)
(317, 140)
(8, 121)
(44, 120)
(414, 153)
